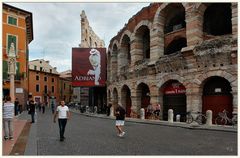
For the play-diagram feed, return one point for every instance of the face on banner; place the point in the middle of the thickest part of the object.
(89, 66)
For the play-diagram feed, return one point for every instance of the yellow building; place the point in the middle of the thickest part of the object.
(17, 26)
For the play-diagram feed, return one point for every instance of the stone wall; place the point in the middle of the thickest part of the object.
(192, 66)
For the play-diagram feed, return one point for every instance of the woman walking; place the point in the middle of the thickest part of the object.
(8, 114)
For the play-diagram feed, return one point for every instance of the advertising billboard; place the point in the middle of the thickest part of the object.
(88, 67)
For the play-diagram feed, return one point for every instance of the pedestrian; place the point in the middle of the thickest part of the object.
(39, 106)
(32, 110)
(16, 106)
(52, 107)
(8, 114)
(63, 115)
(43, 107)
(157, 109)
(120, 117)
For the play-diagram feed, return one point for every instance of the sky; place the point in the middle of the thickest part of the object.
(56, 26)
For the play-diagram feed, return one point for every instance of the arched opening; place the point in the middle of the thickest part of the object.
(174, 97)
(109, 65)
(174, 17)
(143, 95)
(115, 98)
(217, 96)
(126, 99)
(96, 45)
(125, 46)
(218, 19)
(176, 45)
(143, 40)
(114, 61)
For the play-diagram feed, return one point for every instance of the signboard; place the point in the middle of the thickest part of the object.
(19, 90)
(88, 67)
(175, 88)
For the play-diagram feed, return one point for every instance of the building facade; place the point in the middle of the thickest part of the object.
(44, 81)
(65, 83)
(17, 27)
(180, 55)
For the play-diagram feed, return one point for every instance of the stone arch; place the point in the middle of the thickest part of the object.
(114, 62)
(172, 95)
(218, 19)
(126, 99)
(175, 45)
(143, 95)
(115, 42)
(141, 41)
(125, 49)
(217, 96)
(128, 33)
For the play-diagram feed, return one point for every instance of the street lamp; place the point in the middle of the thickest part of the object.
(12, 69)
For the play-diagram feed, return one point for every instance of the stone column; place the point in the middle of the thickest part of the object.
(194, 24)
(235, 100)
(12, 72)
(234, 19)
(136, 50)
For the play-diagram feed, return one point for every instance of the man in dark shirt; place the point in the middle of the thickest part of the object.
(120, 117)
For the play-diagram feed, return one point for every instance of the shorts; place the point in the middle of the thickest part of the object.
(119, 122)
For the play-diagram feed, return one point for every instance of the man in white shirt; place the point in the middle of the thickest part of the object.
(63, 115)
(8, 114)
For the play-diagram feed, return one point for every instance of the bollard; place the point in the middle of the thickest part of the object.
(178, 118)
(209, 117)
(142, 113)
(170, 115)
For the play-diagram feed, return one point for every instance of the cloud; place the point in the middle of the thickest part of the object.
(57, 26)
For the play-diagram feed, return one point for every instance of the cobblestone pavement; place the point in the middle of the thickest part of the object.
(97, 136)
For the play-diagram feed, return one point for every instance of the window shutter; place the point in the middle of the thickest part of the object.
(5, 70)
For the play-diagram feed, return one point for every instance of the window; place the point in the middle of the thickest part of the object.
(37, 77)
(35, 67)
(37, 88)
(12, 20)
(52, 79)
(64, 86)
(50, 70)
(45, 89)
(52, 89)
(45, 78)
(40, 68)
(11, 43)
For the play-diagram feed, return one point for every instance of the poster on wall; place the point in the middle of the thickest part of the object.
(88, 67)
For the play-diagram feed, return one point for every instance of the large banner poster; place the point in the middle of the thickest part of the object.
(88, 67)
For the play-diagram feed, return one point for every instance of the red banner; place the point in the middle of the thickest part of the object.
(175, 88)
(88, 67)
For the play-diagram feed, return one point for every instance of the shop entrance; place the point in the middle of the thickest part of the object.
(217, 96)
(174, 98)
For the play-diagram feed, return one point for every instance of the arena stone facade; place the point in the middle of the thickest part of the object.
(176, 46)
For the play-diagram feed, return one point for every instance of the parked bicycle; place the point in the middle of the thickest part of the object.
(200, 119)
(223, 119)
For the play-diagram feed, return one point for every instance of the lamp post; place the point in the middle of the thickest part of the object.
(12, 70)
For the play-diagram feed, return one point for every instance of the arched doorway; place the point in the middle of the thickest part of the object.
(174, 97)
(217, 96)
(143, 41)
(143, 95)
(126, 99)
(218, 19)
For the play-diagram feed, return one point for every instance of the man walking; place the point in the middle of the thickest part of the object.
(63, 114)
(120, 117)
(8, 114)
